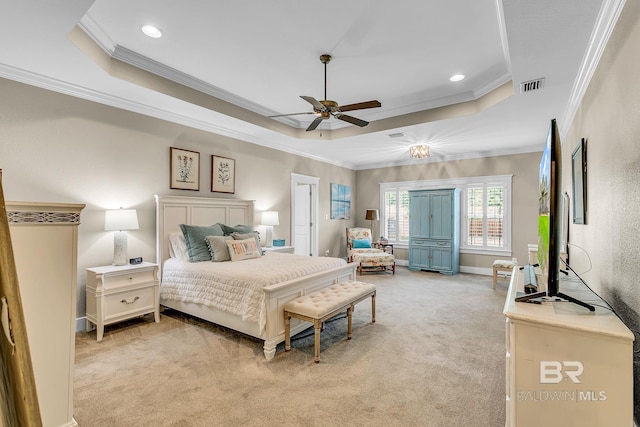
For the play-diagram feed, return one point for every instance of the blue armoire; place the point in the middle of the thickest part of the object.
(434, 230)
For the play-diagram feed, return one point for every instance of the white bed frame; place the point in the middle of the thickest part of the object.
(172, 211)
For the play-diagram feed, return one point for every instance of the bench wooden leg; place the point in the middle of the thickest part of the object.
(316, 344)
(287, 331)
(373, 308)
(349, 321)
(495, 277)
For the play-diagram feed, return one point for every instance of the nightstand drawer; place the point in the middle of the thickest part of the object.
(130, 278)
(125, 304)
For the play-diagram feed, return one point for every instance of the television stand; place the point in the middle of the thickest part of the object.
(540, 297)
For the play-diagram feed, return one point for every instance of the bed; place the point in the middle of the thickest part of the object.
(276, 282)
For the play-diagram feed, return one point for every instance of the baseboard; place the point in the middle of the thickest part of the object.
(476, 270)
(80, 324)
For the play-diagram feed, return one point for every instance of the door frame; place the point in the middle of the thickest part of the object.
(313, 183)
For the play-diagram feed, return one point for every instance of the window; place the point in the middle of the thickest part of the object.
(485, 211)
(395, 215)
(485, 217)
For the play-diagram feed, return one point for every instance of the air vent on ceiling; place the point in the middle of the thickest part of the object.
(531, 85)
(396, 135)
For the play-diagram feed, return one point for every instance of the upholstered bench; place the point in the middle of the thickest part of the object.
(319, 306)
(502, 265)
(382, 261)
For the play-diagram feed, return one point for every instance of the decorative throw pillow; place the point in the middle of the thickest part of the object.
(218, 247)
(241, 236)
(243, 249)
(360, 243)
(194, 236)
(228, 230)
(178, 246)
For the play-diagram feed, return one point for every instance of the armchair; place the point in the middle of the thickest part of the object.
(361, 251)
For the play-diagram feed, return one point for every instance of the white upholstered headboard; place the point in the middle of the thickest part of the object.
(171, 211)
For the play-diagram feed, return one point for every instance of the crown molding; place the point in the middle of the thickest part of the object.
(48, 83)
(453, 157)
(605, 23)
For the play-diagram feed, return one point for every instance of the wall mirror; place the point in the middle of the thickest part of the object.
(579, 169)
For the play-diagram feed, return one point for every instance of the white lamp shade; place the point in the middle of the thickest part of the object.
(270, 218)
(120, 219)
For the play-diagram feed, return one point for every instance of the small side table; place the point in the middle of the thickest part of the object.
(387, 247)
(117, 293)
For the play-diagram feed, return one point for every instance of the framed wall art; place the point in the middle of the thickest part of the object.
(223, 175)
(340, 201)
(579, 169)
(184, 169)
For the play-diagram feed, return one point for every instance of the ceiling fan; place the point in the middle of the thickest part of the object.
(327, 108)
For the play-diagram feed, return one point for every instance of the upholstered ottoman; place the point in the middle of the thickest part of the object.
(502, 265)
(370, 262)
(319, 306)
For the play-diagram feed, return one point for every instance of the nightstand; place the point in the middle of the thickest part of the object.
(281, 249)
(116, 293)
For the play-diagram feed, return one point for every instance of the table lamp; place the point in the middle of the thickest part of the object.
(269, 219)
(120, 220)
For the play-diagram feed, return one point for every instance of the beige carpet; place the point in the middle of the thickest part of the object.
(434, 357)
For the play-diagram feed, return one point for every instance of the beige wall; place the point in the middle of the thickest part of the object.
(608, 246)
(523, 167)
(56, 148)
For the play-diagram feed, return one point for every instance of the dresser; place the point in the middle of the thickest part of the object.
(120, 292)
(565, 365)
(44, 237)
(434, 230)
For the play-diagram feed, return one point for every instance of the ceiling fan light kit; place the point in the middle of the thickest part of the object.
(326, 108)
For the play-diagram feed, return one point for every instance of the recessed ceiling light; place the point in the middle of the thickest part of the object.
(152, 31)
(456, 77)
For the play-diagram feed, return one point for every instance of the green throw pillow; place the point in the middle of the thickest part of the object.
(194, 235)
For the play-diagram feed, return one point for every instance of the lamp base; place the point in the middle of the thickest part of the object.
(120, 248)
(269, 235)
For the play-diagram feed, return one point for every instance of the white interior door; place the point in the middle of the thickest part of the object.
(302, 213)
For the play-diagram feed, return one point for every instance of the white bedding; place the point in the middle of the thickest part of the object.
(236, 287)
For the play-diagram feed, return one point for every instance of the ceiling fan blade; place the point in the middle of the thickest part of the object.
(292, 114)
(360, 106)
(316, 104)
(352, 120)
(314, 124)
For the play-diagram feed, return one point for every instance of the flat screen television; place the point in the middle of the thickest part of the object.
(550, 223)
(550, 212)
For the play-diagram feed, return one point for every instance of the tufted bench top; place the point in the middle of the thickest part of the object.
(504, 263)
(319, 303)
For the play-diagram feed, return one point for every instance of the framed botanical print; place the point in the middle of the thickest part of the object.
(184, 169)
(223, 175)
